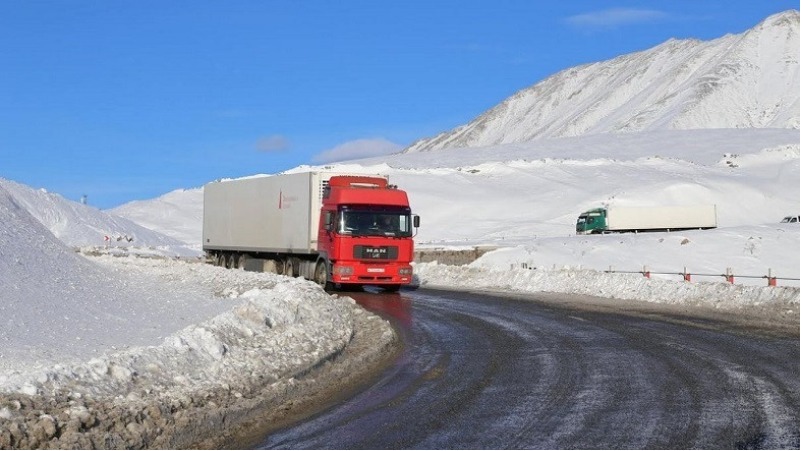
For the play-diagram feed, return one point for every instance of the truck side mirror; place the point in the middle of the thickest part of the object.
(416, 221)
(329, 222)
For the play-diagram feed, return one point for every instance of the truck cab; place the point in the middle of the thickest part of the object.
(591, 221)
(365, 233)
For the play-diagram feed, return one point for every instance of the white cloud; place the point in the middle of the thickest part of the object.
(359, 148)
(272, 143)
(614, 17)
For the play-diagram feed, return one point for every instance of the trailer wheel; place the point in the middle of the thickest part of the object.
(241, 263)
(230, 262)
(219, 259)
(321, 275)
(289, 268)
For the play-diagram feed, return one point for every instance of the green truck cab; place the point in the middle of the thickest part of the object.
(591, 221)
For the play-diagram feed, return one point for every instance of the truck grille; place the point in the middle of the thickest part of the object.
(362, 252)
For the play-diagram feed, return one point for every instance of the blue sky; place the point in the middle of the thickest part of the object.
(123, 101)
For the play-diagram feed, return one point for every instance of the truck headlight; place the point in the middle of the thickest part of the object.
(405, 271)
(343, 270)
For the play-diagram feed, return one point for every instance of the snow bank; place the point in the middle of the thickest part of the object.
(616, 286)
(194, 382)
(272, 327)
(124, 351)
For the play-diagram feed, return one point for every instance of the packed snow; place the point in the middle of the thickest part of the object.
(118, 304)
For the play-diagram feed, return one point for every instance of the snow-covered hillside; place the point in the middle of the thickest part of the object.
(750, 80)
(528, 196)
(54, 299)
(174, 214)
(80, 225)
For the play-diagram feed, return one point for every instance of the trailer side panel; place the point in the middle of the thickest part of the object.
(661, 218)
(262, 214)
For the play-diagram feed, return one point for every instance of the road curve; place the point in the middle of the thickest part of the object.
(483, 371)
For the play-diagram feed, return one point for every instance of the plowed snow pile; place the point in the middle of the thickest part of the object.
(126, 333)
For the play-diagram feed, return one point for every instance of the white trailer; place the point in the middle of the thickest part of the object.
(636, 219)
(276, 214)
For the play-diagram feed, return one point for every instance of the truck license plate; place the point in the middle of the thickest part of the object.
(375, 269)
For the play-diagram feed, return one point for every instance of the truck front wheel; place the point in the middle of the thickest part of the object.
(321, 275)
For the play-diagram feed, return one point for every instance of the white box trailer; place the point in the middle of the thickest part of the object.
(661, 218)
(635, 219)
(277, 214)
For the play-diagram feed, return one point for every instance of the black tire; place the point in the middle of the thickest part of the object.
(289, 267)
(231, 261)
(278, 267)
(321, 275)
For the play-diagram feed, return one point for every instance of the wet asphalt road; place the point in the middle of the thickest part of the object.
(480, 371)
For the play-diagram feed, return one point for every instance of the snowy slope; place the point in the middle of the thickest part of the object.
(538, 188)
(133, 327)
(528, 196)
(52, 297)
(522, 196)
(750, 80)
(80, 225)
(174, 214)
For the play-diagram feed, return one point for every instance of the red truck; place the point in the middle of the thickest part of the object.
(337, 229)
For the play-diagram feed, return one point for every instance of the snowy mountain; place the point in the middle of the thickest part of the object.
(79, 225)
(749, 80)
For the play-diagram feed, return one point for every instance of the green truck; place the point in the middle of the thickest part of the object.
(646, 219)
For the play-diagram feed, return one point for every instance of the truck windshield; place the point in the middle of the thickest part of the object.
(375, 223)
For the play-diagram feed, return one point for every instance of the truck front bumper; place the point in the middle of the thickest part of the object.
(372, 273)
